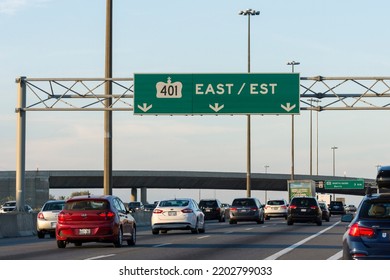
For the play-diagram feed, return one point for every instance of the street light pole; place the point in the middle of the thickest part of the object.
(292, 63)
(249, 13)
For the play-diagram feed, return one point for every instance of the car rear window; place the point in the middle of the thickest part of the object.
(375, 210)
(90, 204)
(243, 202)
(275, 202)
(53, 206)
(303, 202)
(208, 203)
(174, 203)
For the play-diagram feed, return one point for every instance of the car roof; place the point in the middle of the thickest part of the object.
(91, 197)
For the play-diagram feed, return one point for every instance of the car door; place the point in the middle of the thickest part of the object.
(124, 217)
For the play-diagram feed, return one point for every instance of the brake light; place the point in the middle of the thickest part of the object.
(254, 209)
(107, 215)
(233, 208)
(157, 211)
(283, 207)
(218, 209)
(359, 231)
(187, 210)
(266, 207)
(40, 216)
(61, 216)
(293, 207)
(314, 207)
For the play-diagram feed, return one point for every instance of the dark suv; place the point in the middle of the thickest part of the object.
(336, 208)
(304, 209)
(212, 209)
(368, 232)
(246, 209)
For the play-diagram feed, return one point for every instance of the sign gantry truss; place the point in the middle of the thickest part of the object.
(87, 94)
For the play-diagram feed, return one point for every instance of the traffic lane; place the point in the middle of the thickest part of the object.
(326, 244)
(228, 242)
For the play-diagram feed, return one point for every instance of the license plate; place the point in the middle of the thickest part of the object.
(171, 213)
(303, 210)
(243, 210)
(84, 231)
(274, 208)
(53, 224)
(208, 210)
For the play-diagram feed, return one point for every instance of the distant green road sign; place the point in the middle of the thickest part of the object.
(216, 93)
(344, 184)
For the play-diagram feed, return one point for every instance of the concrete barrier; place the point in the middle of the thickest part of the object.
(25, 224)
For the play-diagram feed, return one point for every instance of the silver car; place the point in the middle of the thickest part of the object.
(47, 217)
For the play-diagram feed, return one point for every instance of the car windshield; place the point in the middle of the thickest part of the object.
(375, 210)
(243, 202)
(174, 203)
(89, 204)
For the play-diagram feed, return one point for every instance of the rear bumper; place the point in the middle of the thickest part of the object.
(171, 226)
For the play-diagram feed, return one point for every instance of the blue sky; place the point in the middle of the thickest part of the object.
(53, 38)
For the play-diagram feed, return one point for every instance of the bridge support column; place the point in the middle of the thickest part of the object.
(144, 195)
(133, 194)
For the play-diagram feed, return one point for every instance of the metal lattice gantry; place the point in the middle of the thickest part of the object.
(87, 94)
(345, 93)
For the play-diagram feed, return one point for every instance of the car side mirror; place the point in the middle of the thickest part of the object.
(347, 218)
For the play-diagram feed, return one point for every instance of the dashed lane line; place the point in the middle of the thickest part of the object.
(292, 247)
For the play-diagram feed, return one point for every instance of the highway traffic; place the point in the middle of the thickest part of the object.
(273, 240)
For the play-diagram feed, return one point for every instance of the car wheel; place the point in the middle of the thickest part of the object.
(119, 239)
(203, 229)
(40, 234)
(319, 222)
(131, 242)
(61, 244)
(155, 231)
(290, 222)
(196, 229)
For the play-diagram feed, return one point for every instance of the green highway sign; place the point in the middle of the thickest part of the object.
(201, 94)
(344, 184)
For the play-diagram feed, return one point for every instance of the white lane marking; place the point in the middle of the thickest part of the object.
(204, 236)
(229, 232)
(161, 245)
(249, 228)
(292, 247)
(336, 256)
(101, 257)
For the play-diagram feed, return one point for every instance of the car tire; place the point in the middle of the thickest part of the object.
(119, 239)
(132, 241)
(155, 231)
(61, 244)
(40, 234)
(196, 229)
(290, 222)
(203, 229)
(319, 222)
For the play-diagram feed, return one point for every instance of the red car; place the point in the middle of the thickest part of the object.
(95, 219)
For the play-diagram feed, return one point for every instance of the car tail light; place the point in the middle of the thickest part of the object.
(314, 207)
(359, 231)
(187, 210)
(107, 215)
(218, 209)
(61, 216)
(283, 207)
(157, 211)
(254, 209)
(293, 207)
(41, 216)
(266, 207)
(233, 208)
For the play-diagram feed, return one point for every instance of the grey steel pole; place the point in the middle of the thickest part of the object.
(107, 184)
(248, 137)
(20, 143)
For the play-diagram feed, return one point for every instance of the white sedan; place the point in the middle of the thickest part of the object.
(177, 214)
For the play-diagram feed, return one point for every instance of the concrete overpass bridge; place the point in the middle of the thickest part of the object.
(38, 183)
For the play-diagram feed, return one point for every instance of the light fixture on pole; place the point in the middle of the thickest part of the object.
(292, 63)
(334, 148)
(249, 13)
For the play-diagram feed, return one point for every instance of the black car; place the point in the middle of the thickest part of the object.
(212, 209)
(368, 232)
(337, 208)
(325, 211)
(383, 177)
(303, 210)
(246, 209)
